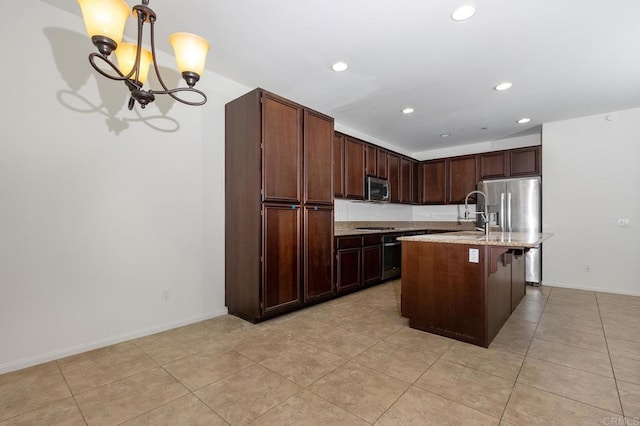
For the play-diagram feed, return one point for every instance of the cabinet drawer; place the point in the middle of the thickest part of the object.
(348, 242)
(371, 240)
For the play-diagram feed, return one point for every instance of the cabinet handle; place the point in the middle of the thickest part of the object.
(315, 207)
(293, 207)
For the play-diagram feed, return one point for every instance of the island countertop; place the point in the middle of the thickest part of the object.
(495, 238)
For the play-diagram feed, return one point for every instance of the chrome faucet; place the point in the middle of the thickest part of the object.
(484, 214)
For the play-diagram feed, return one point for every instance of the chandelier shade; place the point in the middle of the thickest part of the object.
(190, 50)
(126, 55)
(105, 21)
(105, 18)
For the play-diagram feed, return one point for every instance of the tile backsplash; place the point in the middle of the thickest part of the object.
(361, 211)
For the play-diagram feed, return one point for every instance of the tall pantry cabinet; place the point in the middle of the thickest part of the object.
(278, 205)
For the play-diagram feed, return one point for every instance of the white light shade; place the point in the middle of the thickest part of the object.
(105, 17)
(463, 13)
(126, 55)
(503, 86)
(340, 66)
(190, 50)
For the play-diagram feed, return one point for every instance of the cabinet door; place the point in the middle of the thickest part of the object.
(405, 181)
(525, 161)
(280, 257)
(354, 168)
(318, 252)
(371, 264)
(318, 158)
(492, 165)
(415, 182)
(348, 269)
(463, 178)
(394, 177)
(381, 160)
(434, 182)
(371, 160)
(281, 150)
(338, 165)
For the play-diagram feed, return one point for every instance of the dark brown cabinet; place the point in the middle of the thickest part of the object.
(318, 243)
(462, 178)
(354, 168)
(348, 263)
(278, 205)
(381, 160)
(282, 150)
(338, 165)
(281, 258)
(525, 161)
(371, 259)
(405, 181)
(415, 182)
(510, 163)
(393, 162)
(492, 165)
(371, 160)
(434, 182)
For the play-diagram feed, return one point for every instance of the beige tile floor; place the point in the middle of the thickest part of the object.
(564, 357)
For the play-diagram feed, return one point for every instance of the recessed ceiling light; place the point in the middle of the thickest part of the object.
(408, 110)
(445, 135)
(463, 12)
(339, 66)
(503, 86)
(524, 120)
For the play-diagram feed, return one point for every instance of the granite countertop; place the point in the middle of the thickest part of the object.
(349, 228)
(503, 239)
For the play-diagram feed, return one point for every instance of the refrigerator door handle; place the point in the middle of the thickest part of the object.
(509, 212)
(502, 221)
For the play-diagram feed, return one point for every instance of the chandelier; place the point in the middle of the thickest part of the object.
(105, 21)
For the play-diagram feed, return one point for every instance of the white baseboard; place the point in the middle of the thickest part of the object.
(84, 347)
(598, 289)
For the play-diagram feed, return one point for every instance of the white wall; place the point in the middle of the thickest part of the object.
(591, 178)
(101, 208)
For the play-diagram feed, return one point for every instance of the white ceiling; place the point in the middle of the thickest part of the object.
(565, 58)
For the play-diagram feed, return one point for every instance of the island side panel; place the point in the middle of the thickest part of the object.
(444, 293)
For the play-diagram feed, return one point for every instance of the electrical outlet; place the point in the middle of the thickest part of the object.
(587, 268)
(624, 222)
(166, 295)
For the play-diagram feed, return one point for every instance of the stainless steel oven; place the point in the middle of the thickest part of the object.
(391, 256)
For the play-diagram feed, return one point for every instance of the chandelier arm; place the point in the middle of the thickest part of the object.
(153, 56)
(119, 77)
(171, 92)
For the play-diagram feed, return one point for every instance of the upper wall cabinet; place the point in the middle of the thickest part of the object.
(354, 168)
(510, 163)
(393, 161)
(338, 164)
(434, 182)
(462, 178)
(525, 161)
(406, 184)
(371, 160)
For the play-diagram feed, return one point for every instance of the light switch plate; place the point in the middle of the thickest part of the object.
(474, 256)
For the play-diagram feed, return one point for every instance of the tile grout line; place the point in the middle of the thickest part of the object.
(613, 370)
(504, 410)
(71, 392)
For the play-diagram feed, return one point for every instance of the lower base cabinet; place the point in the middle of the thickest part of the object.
(371, 259)
(348, 263)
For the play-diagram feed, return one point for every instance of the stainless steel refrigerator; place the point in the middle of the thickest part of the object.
(515, 205)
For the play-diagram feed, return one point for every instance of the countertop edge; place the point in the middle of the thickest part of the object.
(503, 239)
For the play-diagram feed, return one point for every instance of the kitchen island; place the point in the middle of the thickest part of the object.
(464, 285)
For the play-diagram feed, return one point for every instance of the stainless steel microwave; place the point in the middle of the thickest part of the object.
(377, 189)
